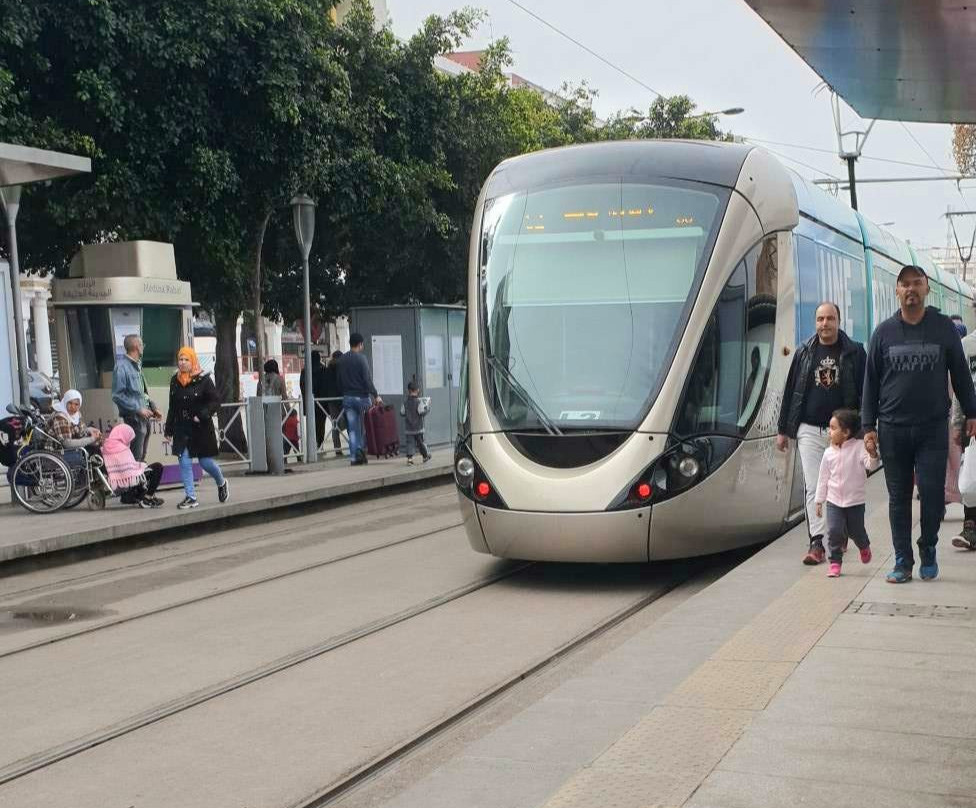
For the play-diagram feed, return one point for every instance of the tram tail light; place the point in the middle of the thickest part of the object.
(643, 491)
(482, 490)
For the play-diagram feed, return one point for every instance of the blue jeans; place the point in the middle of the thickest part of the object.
(921, 450)
(208, 464)
(355, 409)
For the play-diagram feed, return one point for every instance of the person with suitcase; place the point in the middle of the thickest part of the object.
(414, 409)
(356, 385)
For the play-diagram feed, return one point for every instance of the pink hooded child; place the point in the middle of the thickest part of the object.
(124, 471)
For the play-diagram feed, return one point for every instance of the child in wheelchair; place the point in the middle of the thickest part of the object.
(136, 482)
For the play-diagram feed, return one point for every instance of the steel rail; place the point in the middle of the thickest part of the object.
(145, 718)
(179, 604)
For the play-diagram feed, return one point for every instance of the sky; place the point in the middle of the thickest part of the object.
(721, 54)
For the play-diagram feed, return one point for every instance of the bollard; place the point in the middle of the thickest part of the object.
(273, 441)
(255, 435)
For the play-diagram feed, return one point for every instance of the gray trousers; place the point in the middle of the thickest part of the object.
(844, 522)
(416, 441)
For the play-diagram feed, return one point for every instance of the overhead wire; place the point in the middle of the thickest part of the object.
(806, 165)
(589, 50)
(832, 151)
(931, 158)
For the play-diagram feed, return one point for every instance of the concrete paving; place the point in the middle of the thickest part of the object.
(773, 686)
(24, 534)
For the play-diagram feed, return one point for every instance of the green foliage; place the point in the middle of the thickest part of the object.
(203, 117)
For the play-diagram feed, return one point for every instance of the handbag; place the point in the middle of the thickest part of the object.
(967, 475)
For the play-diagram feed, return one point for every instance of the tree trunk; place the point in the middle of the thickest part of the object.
(227, 380)
(258, 304)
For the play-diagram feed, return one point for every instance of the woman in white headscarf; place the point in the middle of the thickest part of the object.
(66, 424)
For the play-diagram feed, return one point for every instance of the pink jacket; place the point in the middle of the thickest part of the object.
(124, 471)
(843, 472)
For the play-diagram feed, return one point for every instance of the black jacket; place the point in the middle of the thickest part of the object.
(850, 376)
(198, 398)
(331, 380)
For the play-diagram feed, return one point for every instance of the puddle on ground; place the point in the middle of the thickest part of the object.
(40, 616)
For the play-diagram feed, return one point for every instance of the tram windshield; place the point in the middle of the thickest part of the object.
(585, 289)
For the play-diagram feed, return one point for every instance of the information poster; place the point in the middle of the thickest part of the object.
(125, 322)
(388, 365)
(433, 361)
(457, 351)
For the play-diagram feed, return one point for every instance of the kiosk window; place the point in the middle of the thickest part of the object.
(162, 335)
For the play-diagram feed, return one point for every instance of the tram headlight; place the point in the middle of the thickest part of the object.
(472, 481)
(464, 470)
(684, 464)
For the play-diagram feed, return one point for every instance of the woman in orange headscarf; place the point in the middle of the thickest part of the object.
(193, 403)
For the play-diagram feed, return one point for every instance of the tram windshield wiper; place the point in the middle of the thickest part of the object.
(523, 394)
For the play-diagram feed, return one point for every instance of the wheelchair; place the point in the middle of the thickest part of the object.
(47, 477)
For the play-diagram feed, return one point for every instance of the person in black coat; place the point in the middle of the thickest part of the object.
(189, 424)
(332, 391)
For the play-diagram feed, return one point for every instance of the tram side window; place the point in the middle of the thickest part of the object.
(729, 378)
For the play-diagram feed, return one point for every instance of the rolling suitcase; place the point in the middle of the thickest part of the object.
(382, 437)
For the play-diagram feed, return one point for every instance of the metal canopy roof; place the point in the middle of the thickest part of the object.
(907, 60)
(20, 165)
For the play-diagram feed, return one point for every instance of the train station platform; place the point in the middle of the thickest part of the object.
(772, 686)
(25, 535)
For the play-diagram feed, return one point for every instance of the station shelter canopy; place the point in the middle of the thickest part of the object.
(905, 60)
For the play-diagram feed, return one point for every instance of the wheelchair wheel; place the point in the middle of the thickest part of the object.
(41, 482)
(79, 487)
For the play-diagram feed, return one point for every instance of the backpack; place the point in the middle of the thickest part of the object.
(11, 435)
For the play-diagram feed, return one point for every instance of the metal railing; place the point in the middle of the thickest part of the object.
(227, 434)
(235, 433)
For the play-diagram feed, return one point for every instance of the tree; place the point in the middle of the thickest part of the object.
(964, 148)
(201, 116)
(667, 117)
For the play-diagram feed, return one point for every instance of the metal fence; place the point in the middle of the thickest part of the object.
(234, 434)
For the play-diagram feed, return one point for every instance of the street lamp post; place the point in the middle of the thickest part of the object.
(729, 111)
(303, 209)
(10, 198)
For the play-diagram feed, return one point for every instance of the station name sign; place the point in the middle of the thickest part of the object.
(120, 291)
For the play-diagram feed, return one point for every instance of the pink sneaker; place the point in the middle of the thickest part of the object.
(865, 555)
(834, 570)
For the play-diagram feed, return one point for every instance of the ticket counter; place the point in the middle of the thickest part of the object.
(114, 290)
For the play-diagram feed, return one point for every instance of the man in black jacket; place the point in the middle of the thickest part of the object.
(827, 374)
(911, 357)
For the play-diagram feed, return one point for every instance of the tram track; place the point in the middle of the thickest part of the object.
(297, 531)
(178, 604)
(145, 718)
(339, 789)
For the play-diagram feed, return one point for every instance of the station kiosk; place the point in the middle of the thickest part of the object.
(114, 290)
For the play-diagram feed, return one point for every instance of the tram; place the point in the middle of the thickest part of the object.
(633, 308)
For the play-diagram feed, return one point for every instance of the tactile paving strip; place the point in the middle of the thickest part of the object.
(658, 762)
(732, 684)
(661, 761)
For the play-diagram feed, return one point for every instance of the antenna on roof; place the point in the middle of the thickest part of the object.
(850, 155)
(965, 256)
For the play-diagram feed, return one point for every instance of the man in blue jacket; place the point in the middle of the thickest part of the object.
(131, 395)
(911, 357)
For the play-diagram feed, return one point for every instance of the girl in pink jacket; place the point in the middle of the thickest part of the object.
(843, 473)
(135, 481)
